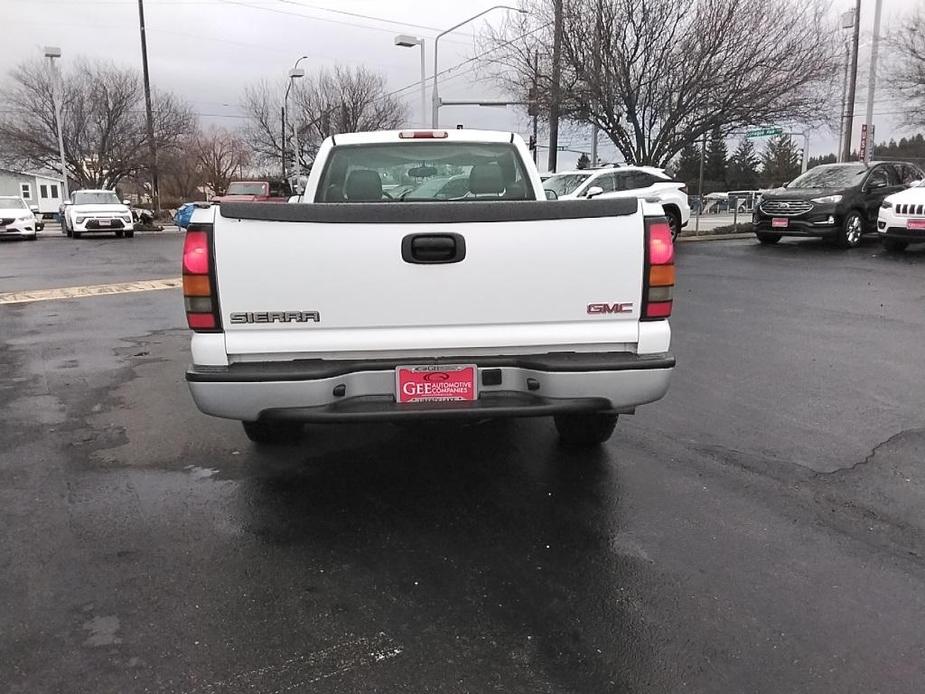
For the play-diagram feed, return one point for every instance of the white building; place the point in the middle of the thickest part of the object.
(44, 190)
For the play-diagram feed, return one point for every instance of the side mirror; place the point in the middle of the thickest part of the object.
(34, 208)
(127, 203)
(593, 191)
(551, 195)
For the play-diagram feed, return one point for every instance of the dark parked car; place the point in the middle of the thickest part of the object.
(835, 201)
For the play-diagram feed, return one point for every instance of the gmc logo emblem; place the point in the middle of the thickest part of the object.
(595, 309)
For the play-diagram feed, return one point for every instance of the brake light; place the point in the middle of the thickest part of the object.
(198, 298)
(659, 270)
(422, 134)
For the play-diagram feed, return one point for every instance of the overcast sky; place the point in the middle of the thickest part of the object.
(208, 50)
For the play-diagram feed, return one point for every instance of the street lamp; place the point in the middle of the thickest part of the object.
(295, 73)
(435, 98)
(52, 52)
(406, 41)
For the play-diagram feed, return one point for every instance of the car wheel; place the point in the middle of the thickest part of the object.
(120, 233)
(76, 234)
(849, 236)
(272, 432)
(32, 238)
(767, 239)
(674, 223)
(894, 245)
(585, 429)
(130, 234)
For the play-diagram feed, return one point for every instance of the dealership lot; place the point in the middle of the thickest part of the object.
(760, 529)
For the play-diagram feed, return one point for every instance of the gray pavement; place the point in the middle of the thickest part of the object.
(758, 530)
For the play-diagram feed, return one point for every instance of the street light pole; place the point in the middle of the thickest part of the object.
(294, 74)
(52, 52)
(435, 97)
(853, 81)
(406, 41)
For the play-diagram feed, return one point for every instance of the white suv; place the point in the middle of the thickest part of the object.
(902, 218)
(91, 211)
(645, 182)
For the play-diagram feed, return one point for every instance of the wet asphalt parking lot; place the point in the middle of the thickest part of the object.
(761, 529)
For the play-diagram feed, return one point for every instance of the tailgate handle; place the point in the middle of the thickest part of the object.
(433, 248)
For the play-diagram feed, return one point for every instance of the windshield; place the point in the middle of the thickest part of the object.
(12, 203)
(565, 184)
(100, 197)
(831, 176)
(424, 172)
(247, 188)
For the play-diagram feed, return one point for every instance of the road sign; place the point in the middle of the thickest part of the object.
(764, 132)
(867, 142)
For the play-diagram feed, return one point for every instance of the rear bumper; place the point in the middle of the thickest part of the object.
(510, 386)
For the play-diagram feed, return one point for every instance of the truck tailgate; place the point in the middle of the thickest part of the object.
(323, 279)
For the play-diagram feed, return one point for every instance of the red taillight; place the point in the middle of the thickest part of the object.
(422, 134)
(659, 271)
(198, 296)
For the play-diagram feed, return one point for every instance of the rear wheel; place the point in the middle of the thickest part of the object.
(674, 223)
(767, 239)
(894, 245)
(849, 236)
(585, 429)
(272, 432)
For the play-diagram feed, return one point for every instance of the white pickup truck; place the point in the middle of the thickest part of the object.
(383, 297)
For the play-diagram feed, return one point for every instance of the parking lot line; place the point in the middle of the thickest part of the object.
(89, 290)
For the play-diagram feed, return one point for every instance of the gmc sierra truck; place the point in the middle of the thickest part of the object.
(359, 304)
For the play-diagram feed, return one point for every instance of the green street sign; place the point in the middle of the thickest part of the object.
(764, 132)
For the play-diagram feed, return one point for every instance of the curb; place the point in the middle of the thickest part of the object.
(717, 237)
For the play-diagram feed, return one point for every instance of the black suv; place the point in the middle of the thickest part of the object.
(835, 201)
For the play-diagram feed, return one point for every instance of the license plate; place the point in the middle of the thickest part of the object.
(441, 383)
(918, 224)
(780, 222)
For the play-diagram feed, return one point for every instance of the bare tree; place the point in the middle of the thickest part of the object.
(103, 123)
(326, 103)
(655, 75)
(907, 66)
(221, 155)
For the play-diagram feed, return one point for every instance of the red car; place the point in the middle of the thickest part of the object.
(255, 191)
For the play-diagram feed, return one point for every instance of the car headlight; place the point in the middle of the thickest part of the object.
(886, 205)
(24, 218)
(827, 199)
(126, 218)
(80, 220)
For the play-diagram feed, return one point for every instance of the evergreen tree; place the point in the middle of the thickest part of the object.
(714, 169)
(743, 167)
(584, 161)
(687, 168)
(780, 161)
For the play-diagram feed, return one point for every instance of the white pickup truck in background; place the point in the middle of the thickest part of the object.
(382, 298)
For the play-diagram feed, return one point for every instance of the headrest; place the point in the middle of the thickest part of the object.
(363, 185)
(486, 179)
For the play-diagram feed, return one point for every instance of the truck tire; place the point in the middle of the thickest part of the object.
(585, 429)
(674, 222)
(895, 245)
(272, 432)
(767, 239)
(849, 236)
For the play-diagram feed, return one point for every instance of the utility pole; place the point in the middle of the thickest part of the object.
(149, 112)
(872, 82)
(52, 52)
(554, 88)
(703, 150)
(853, 82)
(282, 140)
(533, 108)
